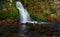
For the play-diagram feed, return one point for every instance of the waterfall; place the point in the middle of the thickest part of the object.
(24, 16)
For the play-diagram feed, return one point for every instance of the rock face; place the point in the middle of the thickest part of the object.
(57, 6)
(10, 22)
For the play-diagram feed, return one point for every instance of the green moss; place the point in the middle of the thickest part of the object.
(39, 17)
(14, 14)
(3, 15)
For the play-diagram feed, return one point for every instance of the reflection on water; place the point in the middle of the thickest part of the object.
(23, 30)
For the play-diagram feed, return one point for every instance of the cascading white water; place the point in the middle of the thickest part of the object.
(24, 16)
